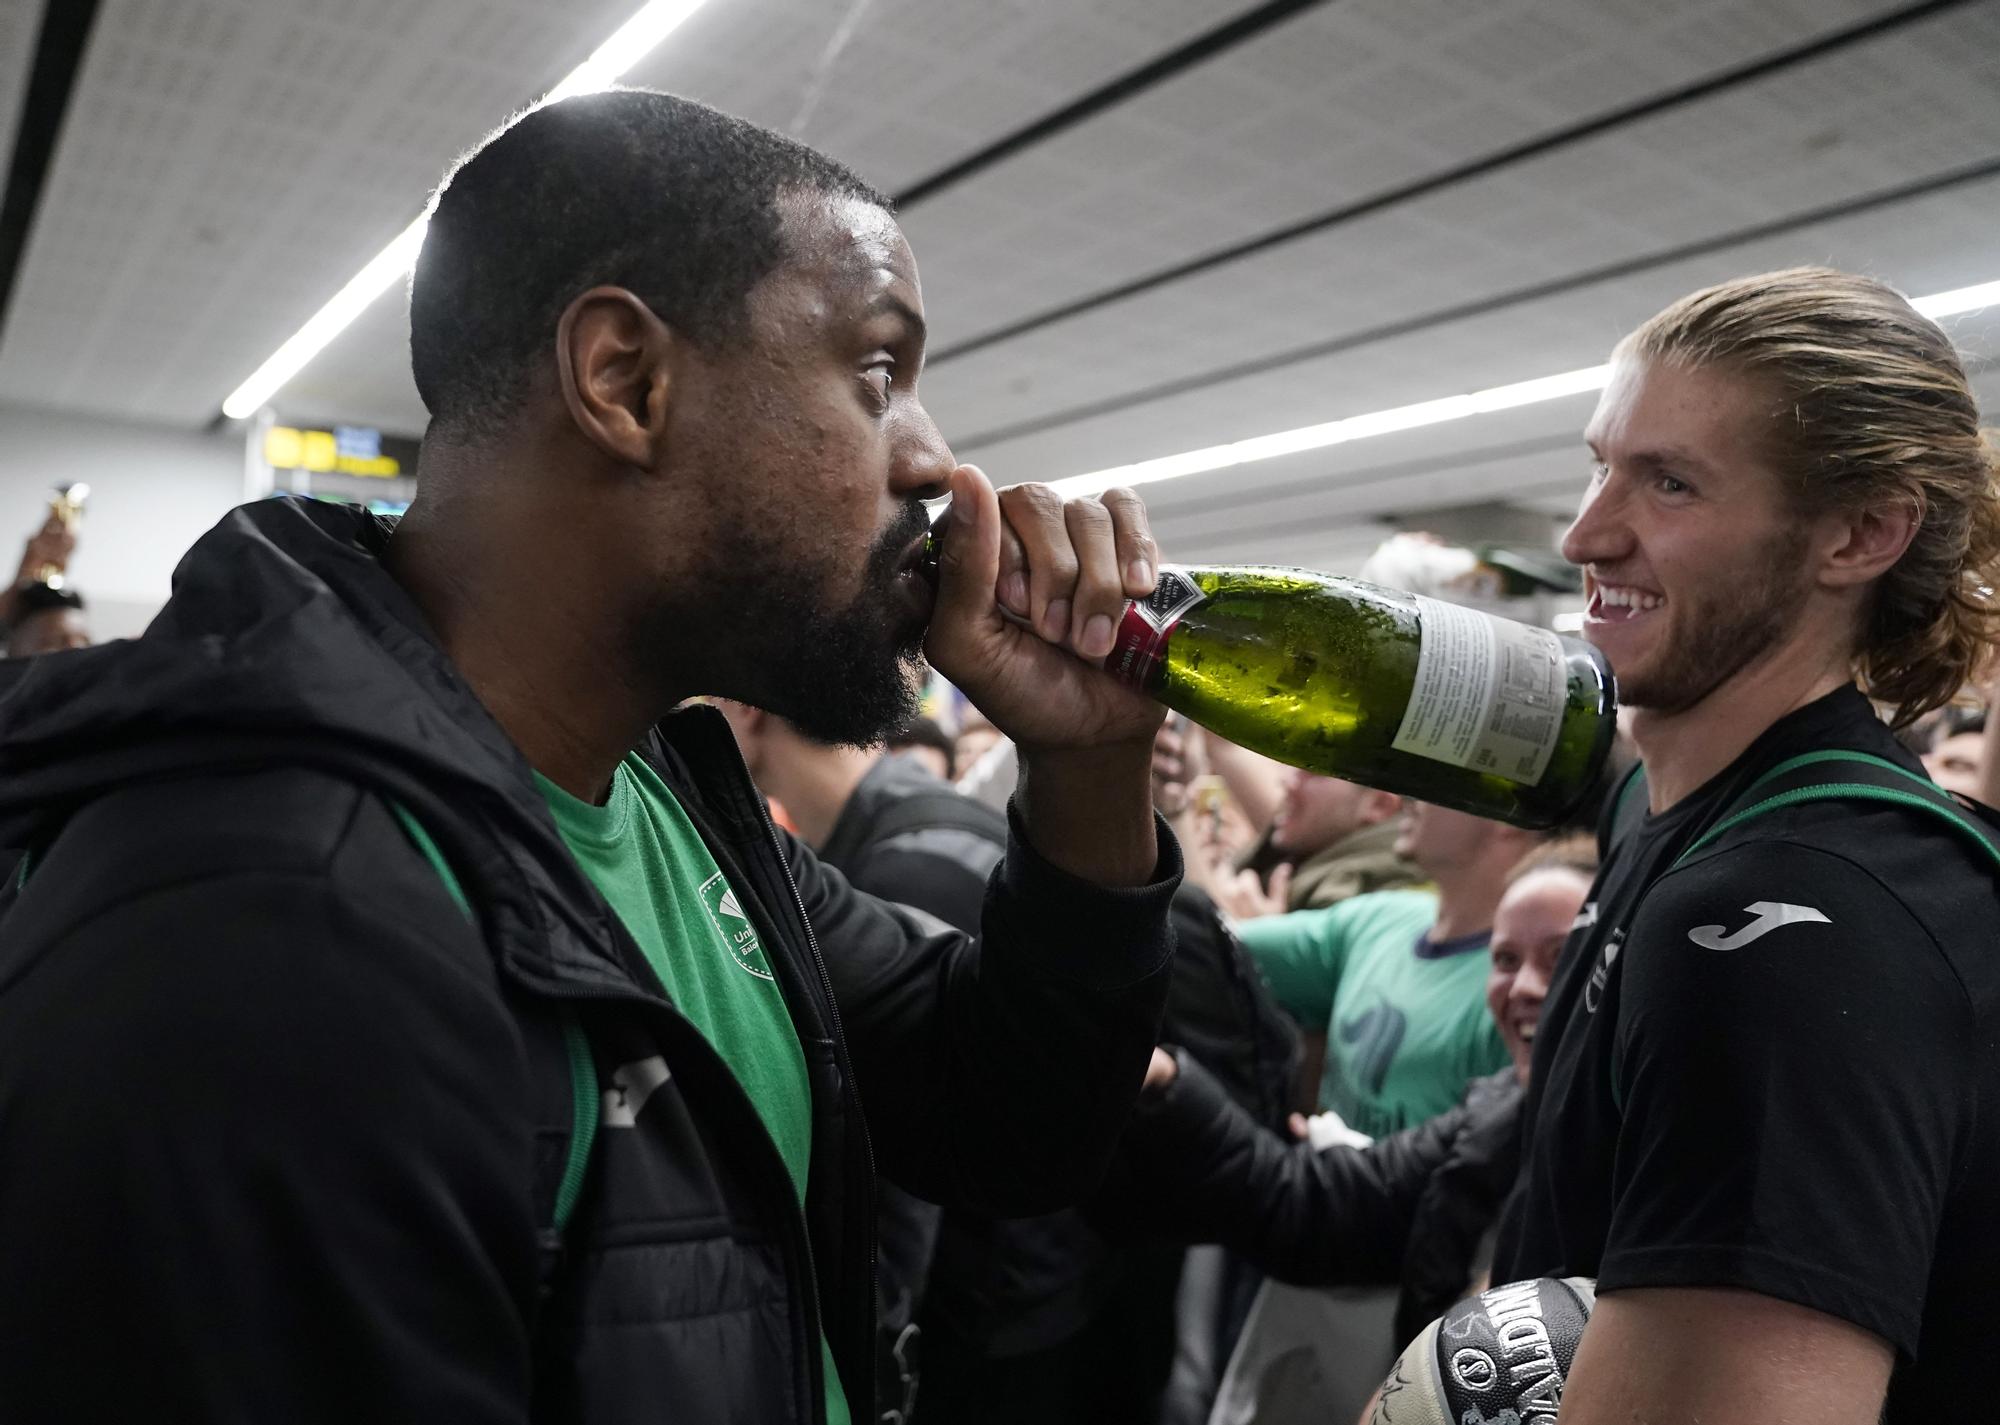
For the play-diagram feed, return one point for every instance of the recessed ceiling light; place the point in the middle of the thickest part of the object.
(608, 63)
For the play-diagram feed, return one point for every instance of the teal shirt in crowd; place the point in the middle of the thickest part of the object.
(1405, 1016)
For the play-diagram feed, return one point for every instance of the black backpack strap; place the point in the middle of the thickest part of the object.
(1851, 776)
(1830, 776)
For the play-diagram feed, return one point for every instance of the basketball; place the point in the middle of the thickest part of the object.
(1499, 1358)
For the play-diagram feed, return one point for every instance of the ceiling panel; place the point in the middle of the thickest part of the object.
(973, 72)
(918, 84)
(228, 164)
(1826, 131)
(1928, 245)
(20, 21)
(1342, 102)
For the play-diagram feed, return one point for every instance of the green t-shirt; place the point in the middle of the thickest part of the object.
(1406, 1021)
(645, 857)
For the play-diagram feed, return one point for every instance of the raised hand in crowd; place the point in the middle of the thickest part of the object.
(53, 544)
(1180, 758)
(1247, 897)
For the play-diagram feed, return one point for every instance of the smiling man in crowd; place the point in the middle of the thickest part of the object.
(1761, 1113)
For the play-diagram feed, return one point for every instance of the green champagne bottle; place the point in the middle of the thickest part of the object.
(1392, 690)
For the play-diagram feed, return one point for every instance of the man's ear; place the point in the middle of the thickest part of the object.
(613, 360)
(1863, 545)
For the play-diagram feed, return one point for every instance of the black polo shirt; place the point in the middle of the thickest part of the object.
(1777, 1067)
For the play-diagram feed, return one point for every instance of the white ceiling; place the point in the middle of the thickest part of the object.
(18, 20)
(227, 164)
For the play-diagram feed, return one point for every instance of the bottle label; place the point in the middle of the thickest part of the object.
(1148, 624)
(1489, 693)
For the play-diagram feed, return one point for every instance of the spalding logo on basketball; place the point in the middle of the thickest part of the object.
(1499, 1358)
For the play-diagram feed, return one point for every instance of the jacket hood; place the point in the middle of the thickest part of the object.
(287, 641)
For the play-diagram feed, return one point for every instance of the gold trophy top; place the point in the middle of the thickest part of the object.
(65, 512)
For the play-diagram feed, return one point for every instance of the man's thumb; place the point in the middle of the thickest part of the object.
(969, 565)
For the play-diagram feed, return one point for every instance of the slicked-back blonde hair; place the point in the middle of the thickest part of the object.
(1870, 409)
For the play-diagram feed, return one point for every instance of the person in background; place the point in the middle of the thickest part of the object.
(46, 620)
(1333, 838)
(1329, 839)
(1396, 979)
(988, 1319)
(1956, 756)
(976, 737)
(1396, 976)
(1419, 1207)
(1414, 1209)
(1762, 1107)
(925, 743)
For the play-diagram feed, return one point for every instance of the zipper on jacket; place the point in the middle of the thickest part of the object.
(816, 1324)
(847, 1074)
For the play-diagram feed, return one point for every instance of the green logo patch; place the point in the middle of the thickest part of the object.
(734, 926)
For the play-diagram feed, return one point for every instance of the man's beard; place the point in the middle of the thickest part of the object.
(1723, 630)
(848, 676)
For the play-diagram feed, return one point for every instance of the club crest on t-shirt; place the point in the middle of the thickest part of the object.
(734, 926)
(1600, 974)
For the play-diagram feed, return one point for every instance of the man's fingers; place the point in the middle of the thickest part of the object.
(1035, 516)
(1099, 600)
(1138, 555)
(1012, 590)
(1068, 568)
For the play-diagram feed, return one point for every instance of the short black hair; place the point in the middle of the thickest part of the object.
(670, 199)
(43, 598)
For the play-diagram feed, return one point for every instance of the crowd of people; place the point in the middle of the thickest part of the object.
(533, 959)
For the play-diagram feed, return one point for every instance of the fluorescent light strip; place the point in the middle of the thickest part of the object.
(1423, 413)
(1959, 299)
(608, 63)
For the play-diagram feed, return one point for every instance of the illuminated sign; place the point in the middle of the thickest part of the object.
(344, 450)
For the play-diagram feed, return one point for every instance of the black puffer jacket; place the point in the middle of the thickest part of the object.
(282, 1124)
(1413, 1208)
